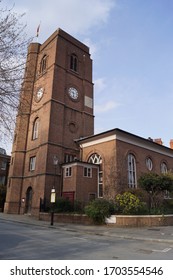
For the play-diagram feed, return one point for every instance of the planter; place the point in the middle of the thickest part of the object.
(114, 220)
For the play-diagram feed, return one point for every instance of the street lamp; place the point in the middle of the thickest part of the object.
(53, 193)
(55, 163)
(55, 160)
(52, 201)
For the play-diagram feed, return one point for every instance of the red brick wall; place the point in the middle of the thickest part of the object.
(80, 185)
(114, 155)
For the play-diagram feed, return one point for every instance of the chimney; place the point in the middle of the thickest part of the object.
(158, 141)
(171, 144)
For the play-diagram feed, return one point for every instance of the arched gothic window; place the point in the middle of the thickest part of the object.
(35, 129)
(164, 168)
(96, 159)
(74, 62)
(132, 182)
(43, 64)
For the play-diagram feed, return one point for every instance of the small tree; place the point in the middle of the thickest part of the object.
(166, 182)
(156, 185)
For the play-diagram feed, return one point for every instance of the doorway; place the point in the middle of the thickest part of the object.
(28, 205)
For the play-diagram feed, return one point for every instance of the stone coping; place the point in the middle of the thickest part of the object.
(140, 220)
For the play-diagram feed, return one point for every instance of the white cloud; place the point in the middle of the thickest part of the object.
(102, 108)
(99, 85)
(100, 90)
(74, 16)
(92, 46)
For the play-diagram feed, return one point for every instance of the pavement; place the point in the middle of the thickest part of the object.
(162, 234)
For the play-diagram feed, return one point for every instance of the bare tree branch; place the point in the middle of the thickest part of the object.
(13, 47)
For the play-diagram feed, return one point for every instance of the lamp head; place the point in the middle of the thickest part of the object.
(55, 160)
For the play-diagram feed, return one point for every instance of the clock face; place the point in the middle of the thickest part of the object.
(73, 93)
(39, 94)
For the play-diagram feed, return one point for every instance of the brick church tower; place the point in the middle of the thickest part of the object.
(56, 107)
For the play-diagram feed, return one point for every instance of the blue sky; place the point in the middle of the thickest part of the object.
(131, 44)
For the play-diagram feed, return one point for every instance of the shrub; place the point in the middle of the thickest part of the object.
(63, 205)
(168, 206)
(129, 203)
(140, 193)
(100, 209)
(78, 207)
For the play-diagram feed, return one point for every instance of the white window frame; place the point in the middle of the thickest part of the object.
(132, 176)
(35, 129)
(69, 157)
(87, 172)
(149, 163)
(97, 159)
(164, 168)
(32, 163)
(68, 171)
(3, 165)
(43, 64)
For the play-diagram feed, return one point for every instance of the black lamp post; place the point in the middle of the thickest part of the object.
(52, 201)
(53, 192)
(55, 163)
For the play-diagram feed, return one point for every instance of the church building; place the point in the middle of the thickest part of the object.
(54, 143)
